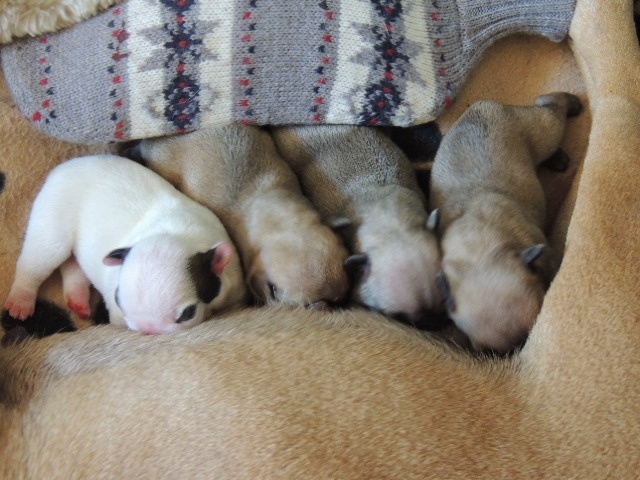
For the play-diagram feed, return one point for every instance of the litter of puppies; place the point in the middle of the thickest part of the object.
(321, 216)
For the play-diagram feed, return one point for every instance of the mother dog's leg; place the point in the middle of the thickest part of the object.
(585, 348)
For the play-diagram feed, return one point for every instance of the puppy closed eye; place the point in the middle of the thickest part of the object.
(187, 314)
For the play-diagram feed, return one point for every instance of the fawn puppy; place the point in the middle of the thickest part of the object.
(496, 264)
(359, 178)
(289, 255)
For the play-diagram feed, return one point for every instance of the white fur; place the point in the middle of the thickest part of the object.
(90, 206)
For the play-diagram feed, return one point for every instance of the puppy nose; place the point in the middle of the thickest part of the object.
(150, 329)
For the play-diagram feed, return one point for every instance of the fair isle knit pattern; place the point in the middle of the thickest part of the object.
(146, 68)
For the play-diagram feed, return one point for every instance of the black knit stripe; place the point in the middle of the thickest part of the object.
(383, 95)
(184, 48)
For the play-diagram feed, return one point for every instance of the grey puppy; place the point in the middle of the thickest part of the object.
(496, 262)
(288, 254)
(360, 179)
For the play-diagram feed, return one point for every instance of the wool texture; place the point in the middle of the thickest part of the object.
(147, 68)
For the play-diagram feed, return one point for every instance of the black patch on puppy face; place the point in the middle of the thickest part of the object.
(207, 283)
(2, 181)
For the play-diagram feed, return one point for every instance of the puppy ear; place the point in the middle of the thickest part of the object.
(116, 257)
(338, 223)
(541, 260)
(531, 254)
(357, 265)
(221, 255)
(433, 222)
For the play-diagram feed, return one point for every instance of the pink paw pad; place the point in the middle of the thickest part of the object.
(20, 305)
(80, 308)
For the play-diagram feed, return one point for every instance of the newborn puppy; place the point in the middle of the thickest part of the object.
(161, 261)
(289, 255)
(361, 179)
(496, 262)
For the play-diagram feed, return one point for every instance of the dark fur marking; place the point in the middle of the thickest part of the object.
(100, 314)
(558, 162)
(3, 178)
(207, 283)
(418, 142)
(131, 150)
(427, 321)
(47, 319)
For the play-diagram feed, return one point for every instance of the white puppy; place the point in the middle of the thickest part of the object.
(161, 261)
(289, 255)
(358, 176)
(496, 262)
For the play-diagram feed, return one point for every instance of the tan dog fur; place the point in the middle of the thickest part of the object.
(236, 172)
(496, 261)
(297, 394)
(358, 174)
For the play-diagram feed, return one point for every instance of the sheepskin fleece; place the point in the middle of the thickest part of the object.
(19, 18)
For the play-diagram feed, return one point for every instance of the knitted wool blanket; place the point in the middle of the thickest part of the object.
(146, 68)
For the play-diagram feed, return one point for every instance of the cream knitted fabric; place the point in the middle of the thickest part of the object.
(146, 68)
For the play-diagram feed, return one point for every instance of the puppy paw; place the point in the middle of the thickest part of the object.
(76, 288)
(568, 102)
(77, 298)
(80, 308)
(20, 304)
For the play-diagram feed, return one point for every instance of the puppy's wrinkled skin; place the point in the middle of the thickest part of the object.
(358, 176)
(289, 255)
(161, 261)
(496, 262)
